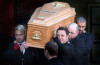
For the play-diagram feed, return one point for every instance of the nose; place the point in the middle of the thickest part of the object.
(59, 37)
(69, 33)
(80, 28)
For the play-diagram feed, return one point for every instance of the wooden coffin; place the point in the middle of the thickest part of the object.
(45, 20)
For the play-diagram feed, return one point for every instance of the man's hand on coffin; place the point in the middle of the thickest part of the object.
(22, 48)
(26, 45)
(55, 39)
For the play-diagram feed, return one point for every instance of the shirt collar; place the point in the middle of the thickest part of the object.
(21, 43)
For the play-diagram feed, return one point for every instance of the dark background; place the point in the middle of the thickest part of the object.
(13, 12)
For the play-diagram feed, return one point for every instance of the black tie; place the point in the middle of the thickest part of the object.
(20, 44)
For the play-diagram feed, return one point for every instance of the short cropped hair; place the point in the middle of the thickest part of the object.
(20, 28)
(52, 48)
(80, 19)
(63, 28)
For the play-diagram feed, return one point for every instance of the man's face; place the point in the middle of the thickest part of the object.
(72, 33)
(62, 36)
(20, 36)
(82, 27)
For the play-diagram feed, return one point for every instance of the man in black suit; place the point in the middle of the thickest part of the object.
(65, 51)
(78, 43)
(51, 51)
(88, 38)
(17, 53)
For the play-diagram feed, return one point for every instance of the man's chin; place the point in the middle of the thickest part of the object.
(19, 41)
(80, 32)
(61, 41)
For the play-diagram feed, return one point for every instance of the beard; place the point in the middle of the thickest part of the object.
(80, 31)
(20, 40)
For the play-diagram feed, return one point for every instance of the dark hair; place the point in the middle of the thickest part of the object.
(63, 28)
(52, 48)
(81, 19)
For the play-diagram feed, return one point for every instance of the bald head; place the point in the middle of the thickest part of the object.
(73, 29)
(73, 26)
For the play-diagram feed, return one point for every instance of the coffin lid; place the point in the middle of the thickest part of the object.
(51, 13)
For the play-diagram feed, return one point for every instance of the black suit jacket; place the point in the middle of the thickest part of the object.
(15, 57)
(5, 40)
(88, 38)
(65, 52)
(54, 61)
(79, 51)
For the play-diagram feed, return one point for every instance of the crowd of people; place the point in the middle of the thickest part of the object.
(71, 46)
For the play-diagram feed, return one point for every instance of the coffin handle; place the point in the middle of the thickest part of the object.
(35, 38)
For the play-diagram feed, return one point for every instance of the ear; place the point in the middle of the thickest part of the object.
(25, 34)
(67, 36)
(77, 32)
(46, 51)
